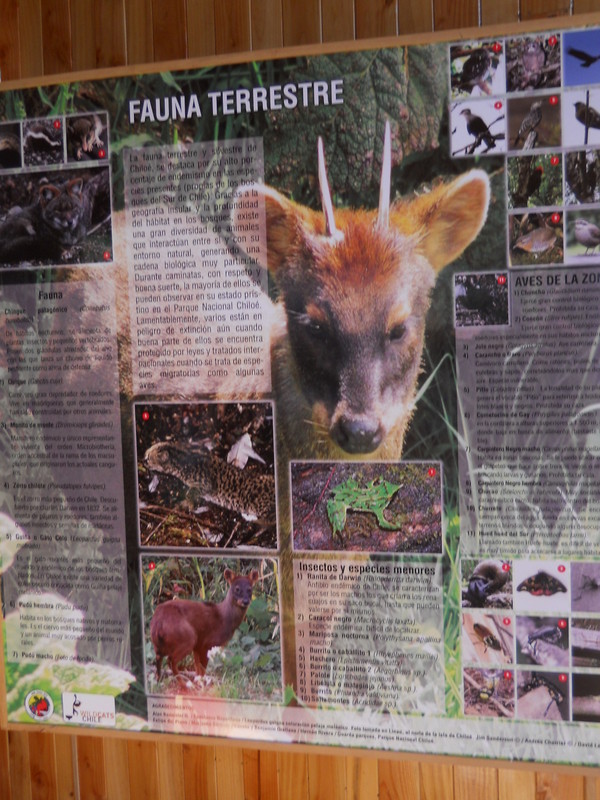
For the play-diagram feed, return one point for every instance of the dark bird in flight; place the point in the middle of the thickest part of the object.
(586, 59)
(587, 234)
(477, 128)
(587, 115)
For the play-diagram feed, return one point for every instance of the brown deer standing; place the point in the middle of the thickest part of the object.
(181, 627)
(355, 289)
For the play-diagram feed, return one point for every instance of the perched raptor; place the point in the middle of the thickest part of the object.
(531, 120)
(587, 115)
(477, 128)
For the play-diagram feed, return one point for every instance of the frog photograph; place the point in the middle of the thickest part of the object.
(367, 507)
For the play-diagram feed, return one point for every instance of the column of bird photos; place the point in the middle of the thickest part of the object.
(536, 99)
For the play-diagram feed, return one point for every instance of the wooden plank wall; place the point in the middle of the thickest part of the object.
(44, 37)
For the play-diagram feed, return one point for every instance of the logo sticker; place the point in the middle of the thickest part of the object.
(89, 709)
(39, 705)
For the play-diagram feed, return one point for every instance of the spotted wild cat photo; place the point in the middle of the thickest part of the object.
(206, 475)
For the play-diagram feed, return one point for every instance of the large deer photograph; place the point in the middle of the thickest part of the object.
(355, 289)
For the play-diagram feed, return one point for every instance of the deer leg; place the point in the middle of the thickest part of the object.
(200, 661)
(158, 662)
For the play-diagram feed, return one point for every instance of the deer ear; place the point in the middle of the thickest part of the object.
(284, 223)
(451, 216)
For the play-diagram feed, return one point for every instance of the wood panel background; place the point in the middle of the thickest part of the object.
(45, 37)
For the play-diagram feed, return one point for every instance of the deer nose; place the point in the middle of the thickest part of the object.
(357, 434)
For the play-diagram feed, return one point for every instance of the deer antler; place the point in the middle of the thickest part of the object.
(326, 202)
(383, 218)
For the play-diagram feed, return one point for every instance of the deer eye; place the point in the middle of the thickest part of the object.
(314, 328)
(397, 332)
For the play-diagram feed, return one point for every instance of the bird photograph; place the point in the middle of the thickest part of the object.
(477, 69)
(529, 122)
(480, 299)
(535, 181)
(581, 117)
(532, 63)
(478, 127)
(587, 115)
(581, 177)
(583, 236)
(581, 57)
(536, 239)
(534, 122)
(585, 59)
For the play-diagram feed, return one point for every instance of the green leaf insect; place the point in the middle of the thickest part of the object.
(350, 495)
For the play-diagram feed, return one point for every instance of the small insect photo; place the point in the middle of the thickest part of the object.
(585, 643)
(543, 641)
(585, 586)
(543, 695)
(486, 583)
(489, 692)
(212, 627)
(367, 507)
(206, 475)
(586, 700)
(487, 639)
(542, 586)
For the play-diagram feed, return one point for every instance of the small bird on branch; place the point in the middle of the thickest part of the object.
(587, 234)
(477, 128)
